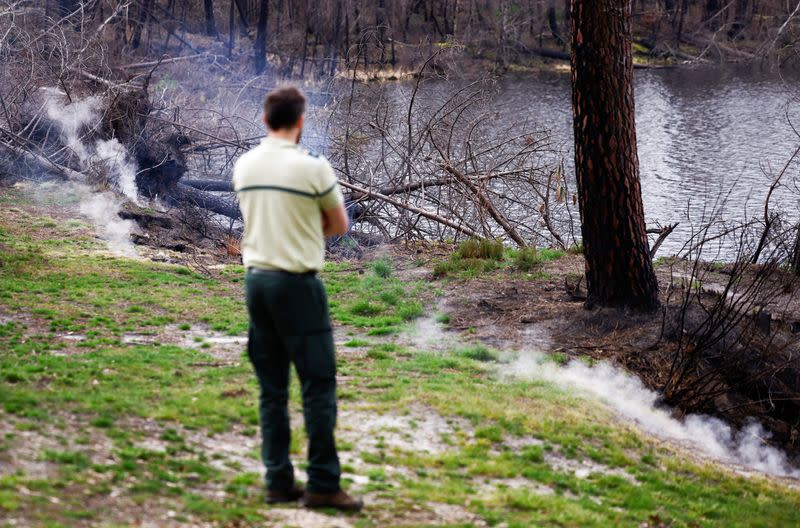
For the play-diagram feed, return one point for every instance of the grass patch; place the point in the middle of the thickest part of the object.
(477, 352)
(476, 257)
(476, 248)
(381, 305)
(366, 308)
(382, 267)
(357, 343)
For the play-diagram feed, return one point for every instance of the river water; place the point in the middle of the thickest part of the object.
(700, 132)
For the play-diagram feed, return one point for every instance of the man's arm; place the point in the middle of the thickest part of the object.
(335, 221)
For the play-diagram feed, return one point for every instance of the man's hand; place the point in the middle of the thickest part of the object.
(335, 221)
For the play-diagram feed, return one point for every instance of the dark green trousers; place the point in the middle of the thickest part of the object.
(289, 323)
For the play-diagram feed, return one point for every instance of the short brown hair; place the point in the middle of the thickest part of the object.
(283, 107)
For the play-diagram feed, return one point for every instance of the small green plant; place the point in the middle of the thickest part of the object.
(470, 267)
(478, 353)
(533, 453)
(477, 248)
(559, 358)
(356, 343)
(382, 268)
(365, 308)
(491, 433)
(71, 458)
(410, 310)
(392, 296)
(383, 351)
(443, 318)
(382, 331)
(527, 259)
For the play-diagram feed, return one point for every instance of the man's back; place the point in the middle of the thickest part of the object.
(282, 191)
(290, 201)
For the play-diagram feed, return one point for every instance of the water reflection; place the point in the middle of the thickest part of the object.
(700, 133)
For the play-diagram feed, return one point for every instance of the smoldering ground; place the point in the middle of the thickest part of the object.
(627, 395)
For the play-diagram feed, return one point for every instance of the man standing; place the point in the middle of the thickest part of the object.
(290, 201)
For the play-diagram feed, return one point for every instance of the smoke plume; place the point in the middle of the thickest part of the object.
(74, 121)
(629, 397)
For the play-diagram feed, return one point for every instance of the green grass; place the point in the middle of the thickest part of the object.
(478, 353)
(380, 304)
(476, 248)
(128, 397)
(382, 268)
(475, 257)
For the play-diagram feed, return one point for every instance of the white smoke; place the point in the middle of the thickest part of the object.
(121, 167)
(103, 208)
(71, 118)
(628, 396)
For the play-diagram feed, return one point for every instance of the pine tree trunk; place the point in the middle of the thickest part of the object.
(619, 271)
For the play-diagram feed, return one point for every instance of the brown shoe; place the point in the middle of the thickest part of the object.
(338, 500)
(278, 496)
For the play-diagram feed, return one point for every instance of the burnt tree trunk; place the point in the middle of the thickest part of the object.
(144, 10)
(796, 253)
(260, 48)
(619, 271)
(710, 9)
(552, 21)
(67, 7)
(231, 30)
(211, 25)
(740, 19)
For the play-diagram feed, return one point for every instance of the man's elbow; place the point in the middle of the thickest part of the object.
(341, 227)
(336, 222)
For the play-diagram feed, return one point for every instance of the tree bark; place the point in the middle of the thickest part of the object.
(211, 25)
(260, 47)
(796, 253)
(619, 271)
(65, 7)
(231, 30)
(142, 20)
(552, 21)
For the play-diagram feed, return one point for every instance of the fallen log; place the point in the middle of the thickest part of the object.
(150, 64)
(550, 53)
(209, 185)
(130, 86)
(42, 163)
(706, 43)
(185, 194)
(676, 53)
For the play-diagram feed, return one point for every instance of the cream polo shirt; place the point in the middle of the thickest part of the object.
(282, 190)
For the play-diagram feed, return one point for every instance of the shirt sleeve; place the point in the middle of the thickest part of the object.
(235, 179)
(330, 195)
